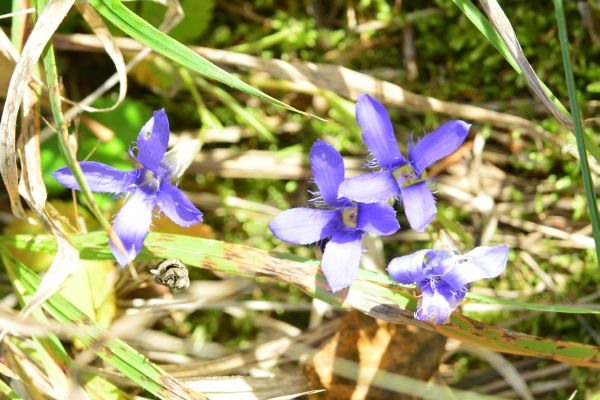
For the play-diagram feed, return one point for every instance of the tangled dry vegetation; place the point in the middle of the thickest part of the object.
(257, 321)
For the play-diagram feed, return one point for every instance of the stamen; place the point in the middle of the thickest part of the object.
(410, 143)
(371, 163)
(318, 200)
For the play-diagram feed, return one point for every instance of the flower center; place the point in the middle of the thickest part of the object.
(349, 216)
(406, 176)
(150, 180)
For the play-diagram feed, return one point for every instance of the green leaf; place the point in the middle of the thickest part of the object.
(593, 87)
(136, 27)
(196, 20)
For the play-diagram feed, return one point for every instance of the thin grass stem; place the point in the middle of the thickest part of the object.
(579, 134)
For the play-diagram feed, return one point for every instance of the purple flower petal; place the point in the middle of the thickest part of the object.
(132, 224)
(341, 258)
(153, 139)
(378, 132)
(373, 187)
(328, 170)
(410, 268)
(419, 205)
(174, 203)
(434, 306)
(305, 225)
(100, 178)
(438, 144)
(480, 263)
(377, 218)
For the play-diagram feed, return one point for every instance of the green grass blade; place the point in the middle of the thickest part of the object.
(403, 384)
(7, 392)
(371, 296)
(242, 113)
(136, 27)
(114, 352)
(63, 134)
(17, 25)
(54, 355)
(536, 306)
(267, 41)
(487, 30)
(579, 134)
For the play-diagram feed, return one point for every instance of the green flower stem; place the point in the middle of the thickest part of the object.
(63, 138)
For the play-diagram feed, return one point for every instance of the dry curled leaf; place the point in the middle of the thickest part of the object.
(43, 30)
(103, 34)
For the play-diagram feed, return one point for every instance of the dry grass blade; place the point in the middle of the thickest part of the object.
(47, 24)
(260, 164)
(311, 78)
(11, 321)
(274, 349)
(101, 31)
(504, 28)
(65, 261)
(32, 189)
(33, 383)
(20, 12)
(297, 395)
(528, 375)
(6, 47)
(172, 17)
(31, 185)
(34, 192)
(250, 388)
(502, 366)
(317, 77)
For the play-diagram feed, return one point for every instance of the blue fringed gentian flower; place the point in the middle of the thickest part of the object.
(147, 187)
(443, 277)
(399, 177)
(343, 223)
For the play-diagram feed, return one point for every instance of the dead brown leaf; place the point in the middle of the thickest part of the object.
(374, 345)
